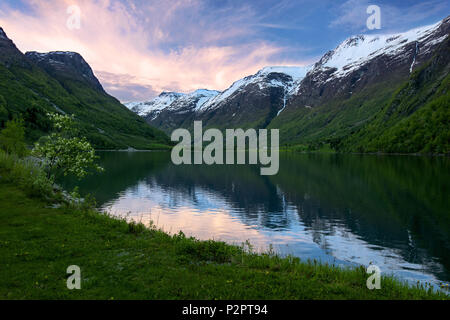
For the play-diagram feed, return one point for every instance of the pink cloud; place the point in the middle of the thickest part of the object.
(126, 53)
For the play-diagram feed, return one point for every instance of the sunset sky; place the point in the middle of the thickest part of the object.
(140, 48)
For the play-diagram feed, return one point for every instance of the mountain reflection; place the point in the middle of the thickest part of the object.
(389, 210)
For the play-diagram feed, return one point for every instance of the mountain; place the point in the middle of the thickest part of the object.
(350, 86)
(66, 65)
(33, 84)
(152, 108)
(341, 98)
(170, 109)
(250, 102)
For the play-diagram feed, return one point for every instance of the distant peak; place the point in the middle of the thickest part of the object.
(205, 92)
(295, 72)
(169, 93)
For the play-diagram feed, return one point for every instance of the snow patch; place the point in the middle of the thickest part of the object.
(154, 106)
(358, 50)
(172, 101)
(296, 74)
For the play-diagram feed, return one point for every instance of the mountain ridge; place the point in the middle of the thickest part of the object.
(34, 84)
(331, 99)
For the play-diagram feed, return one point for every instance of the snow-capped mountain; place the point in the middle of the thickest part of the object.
(282, 77)
(257, 100)
(270, 86)
(288, 78)
(174, 102)
(193, 101)
(358, 50)
(153, 107)
(172, 108)
(365, 60)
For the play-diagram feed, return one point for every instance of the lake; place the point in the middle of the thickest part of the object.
(392, 211)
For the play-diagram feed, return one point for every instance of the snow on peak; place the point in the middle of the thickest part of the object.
(296, 74)
(199, 97)
(348, 56)
(204, 96)
(172, 101)
(357, 50)
(155, 105)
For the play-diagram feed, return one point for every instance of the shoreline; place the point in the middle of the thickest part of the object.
(99, 243)
(43, 233)
(301, 152)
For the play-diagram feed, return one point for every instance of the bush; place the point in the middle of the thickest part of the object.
(28, 174)
(63, 151)
(12, 138)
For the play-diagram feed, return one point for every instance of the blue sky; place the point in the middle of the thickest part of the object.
(139, 48)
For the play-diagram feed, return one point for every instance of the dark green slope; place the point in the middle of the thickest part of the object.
(334, 119)
(393, 115)
(30, 89)
(416, 119)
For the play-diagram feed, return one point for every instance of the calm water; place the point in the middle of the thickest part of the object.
(393, 211)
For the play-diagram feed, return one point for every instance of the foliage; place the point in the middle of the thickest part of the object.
(27, 174)
(3, 111)
(12, 138)
(63, 151)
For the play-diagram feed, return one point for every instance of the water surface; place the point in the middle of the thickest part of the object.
(392, 211)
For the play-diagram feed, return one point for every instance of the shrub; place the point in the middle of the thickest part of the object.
(27, 173)
(64, 151)
(12, 138)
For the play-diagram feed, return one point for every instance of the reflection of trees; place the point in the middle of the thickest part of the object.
(397, 202)
(122, 171)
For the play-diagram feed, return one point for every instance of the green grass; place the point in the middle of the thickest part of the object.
(119, 260)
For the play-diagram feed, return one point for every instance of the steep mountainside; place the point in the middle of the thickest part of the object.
(172, 110)
(416, 118)
(354, 82)
(36, 83)
(342, 97)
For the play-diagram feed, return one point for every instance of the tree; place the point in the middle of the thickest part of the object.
(63, 151)
(12, 138)
(3, 111)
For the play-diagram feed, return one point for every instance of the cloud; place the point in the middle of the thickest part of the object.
(140, 49)
(126, 88)
(351, 15)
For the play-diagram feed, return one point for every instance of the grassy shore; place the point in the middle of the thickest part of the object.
(119, 260)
